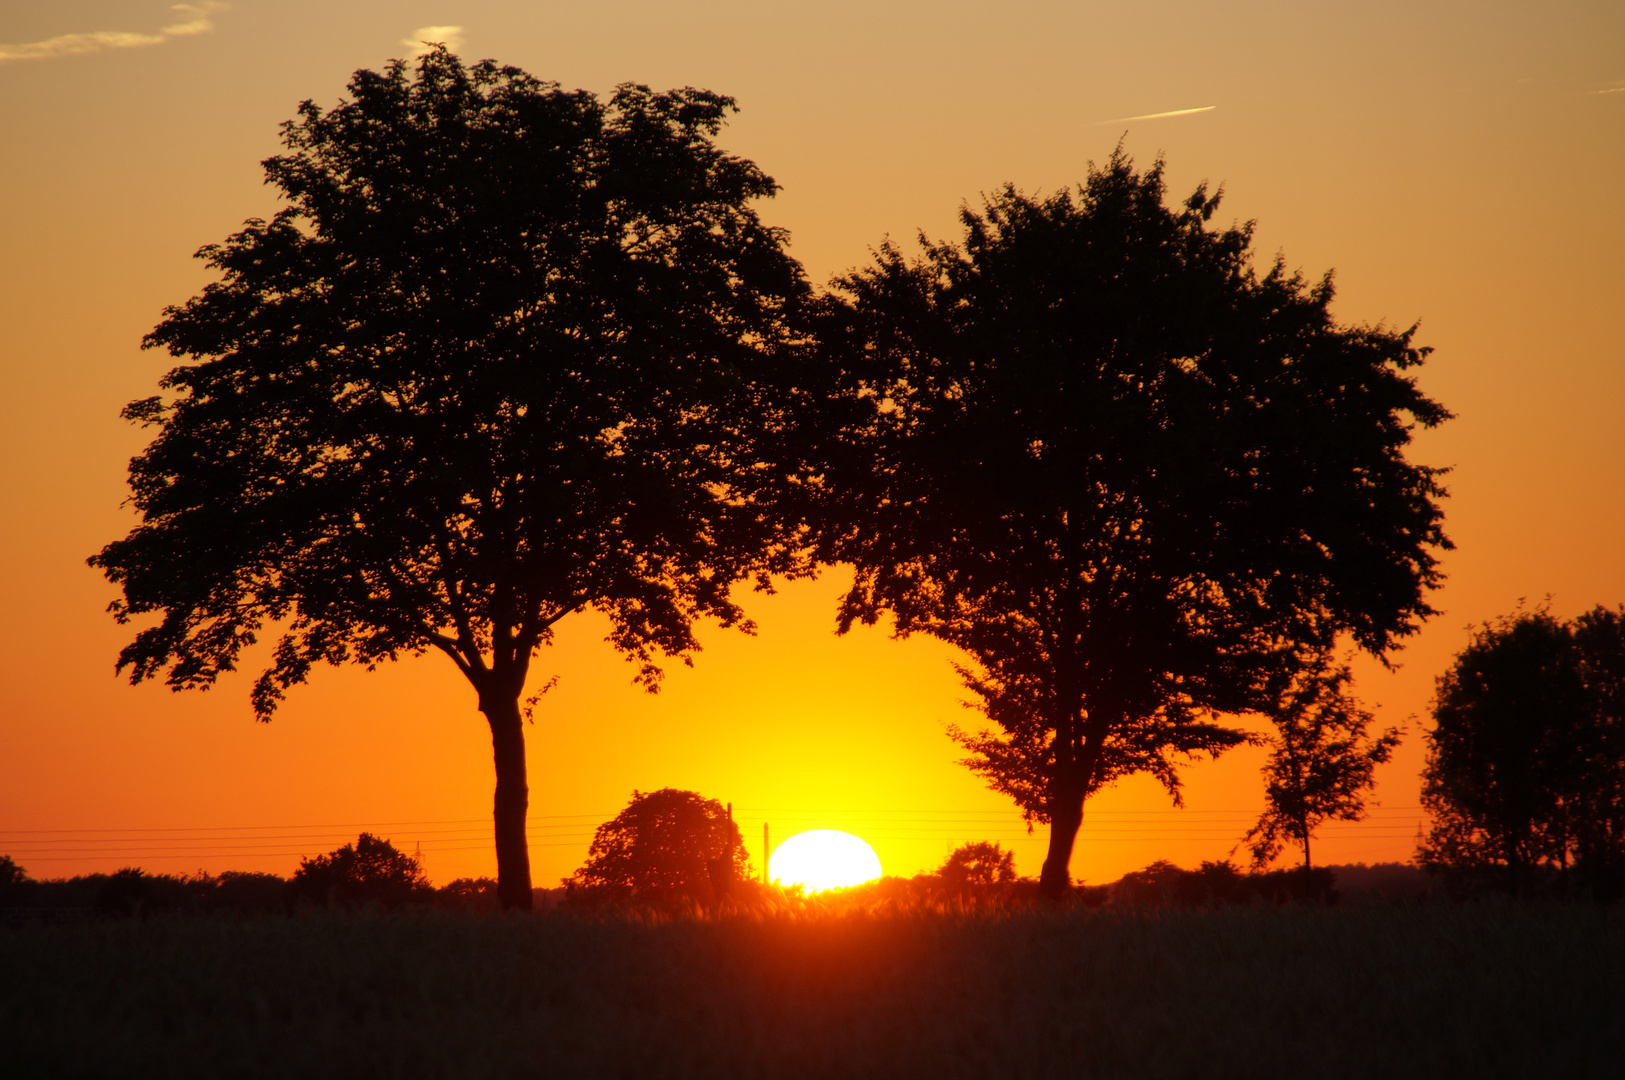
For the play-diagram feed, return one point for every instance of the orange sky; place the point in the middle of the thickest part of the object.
(1462, 164)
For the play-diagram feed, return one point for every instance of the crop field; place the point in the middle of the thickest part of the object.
(1429, 990)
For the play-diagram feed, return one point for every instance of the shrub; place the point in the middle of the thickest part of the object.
(370, 871)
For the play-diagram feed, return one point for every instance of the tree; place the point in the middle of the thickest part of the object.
(371, 870)
(665, 846)
(1096, 451)
(978, 863)
(503, 357)
(1526, 762)
(1321, 763)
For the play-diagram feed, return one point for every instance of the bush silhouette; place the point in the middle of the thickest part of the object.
(474, 896)
(666, 848)
(370, 871)
(978, 863)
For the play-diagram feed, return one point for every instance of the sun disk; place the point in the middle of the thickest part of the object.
(823, 859)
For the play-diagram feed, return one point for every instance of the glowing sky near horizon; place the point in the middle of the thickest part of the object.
(1460, 171)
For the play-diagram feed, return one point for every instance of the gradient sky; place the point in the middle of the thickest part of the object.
(1462, 164)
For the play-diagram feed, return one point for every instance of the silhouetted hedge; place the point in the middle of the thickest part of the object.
(389, 883)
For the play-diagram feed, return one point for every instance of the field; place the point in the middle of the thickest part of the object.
(1429, 990)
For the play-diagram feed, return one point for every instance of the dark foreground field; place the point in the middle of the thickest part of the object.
(1425, 991)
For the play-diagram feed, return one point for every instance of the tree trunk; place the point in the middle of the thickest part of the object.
(1065, 816)
(1066, 806)
(512, 801)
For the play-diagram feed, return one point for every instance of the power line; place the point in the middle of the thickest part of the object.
(337, 826)
(821, 813)
(447, 835)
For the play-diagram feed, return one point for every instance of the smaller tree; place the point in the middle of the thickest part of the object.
(666, 846)
(1321, 764)
(978, 863)
(372, 870)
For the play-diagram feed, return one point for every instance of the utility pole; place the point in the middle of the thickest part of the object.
(767, 852)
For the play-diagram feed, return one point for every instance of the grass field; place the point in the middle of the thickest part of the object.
(1256, 991)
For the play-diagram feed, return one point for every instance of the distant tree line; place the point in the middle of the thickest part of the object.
(370, 873)
(133, 893)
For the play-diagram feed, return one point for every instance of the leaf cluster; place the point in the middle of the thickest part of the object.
(501, 357)
(1020, 759)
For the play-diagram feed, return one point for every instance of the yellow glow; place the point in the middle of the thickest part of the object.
(848, 729)
(823, 859)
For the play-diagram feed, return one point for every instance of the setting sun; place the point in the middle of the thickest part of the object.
(823, 859)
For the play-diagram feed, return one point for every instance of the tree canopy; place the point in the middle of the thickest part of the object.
(1526, 758)
(666, 846)
(502, 357)
(1093, 448)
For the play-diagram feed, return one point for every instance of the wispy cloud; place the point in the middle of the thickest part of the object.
(198, 22)
(1611, 90)
(1160, 115)
(425, 38)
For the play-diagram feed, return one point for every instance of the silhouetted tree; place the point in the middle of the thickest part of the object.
(660, 850)
(1321, 765)
(1526, 762)
(1095, 450)
(978, 863)
(499, 359)
(370, 871)
(1502, 753)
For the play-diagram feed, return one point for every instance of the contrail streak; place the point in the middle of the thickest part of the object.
(1160, 115)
